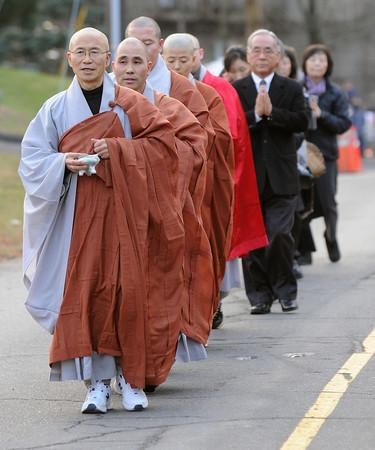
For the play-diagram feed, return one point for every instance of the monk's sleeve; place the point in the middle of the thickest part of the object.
(191, 142)
(42, 170)
(223, 188)
(144, 174)
(42, 167)
(148, 164)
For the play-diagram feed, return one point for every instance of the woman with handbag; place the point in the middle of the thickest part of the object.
(288, 67)
(330, 114)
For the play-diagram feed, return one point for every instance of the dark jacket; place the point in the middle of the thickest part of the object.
(273, 139)
(334, 120)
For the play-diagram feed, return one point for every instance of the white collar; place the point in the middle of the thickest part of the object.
(160, 77)
(149, 93)
(202, 72)
(267, 79)
(191, 79)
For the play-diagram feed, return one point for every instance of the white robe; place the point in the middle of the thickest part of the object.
(50, 198)
(160, 77)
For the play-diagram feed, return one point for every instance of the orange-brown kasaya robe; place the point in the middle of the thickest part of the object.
(217, 209)
(199, 307)
(124, 278)
(191, 144)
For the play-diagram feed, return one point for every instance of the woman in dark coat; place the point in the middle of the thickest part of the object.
(330, 109)
(288, 67)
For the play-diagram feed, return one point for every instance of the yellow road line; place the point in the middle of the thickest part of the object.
(329, 398)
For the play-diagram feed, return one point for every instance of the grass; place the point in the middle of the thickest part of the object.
(22, 93)
(11, 207)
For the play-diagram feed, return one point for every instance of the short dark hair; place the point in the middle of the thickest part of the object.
(291, 54)
(318, 48)
(232, 54)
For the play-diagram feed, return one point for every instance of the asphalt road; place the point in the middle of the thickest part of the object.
(262, 376)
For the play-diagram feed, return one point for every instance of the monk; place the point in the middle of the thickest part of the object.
(101, 249)
(178, 53)
(131, 67)
(160, 77)
(198, 310)
(248, 226)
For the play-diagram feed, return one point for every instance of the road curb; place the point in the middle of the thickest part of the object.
(10, 138)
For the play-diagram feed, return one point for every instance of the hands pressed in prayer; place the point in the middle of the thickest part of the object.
(313, 101)
(101, 148)
(263, 105)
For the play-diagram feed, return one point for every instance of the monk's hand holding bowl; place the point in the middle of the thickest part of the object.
(73, 163)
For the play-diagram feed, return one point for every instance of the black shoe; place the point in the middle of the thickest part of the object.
(149, 388)
(305, 259)
(218, 318)
(288, 305)
(260, 308)
(333, 249)
(297, 270)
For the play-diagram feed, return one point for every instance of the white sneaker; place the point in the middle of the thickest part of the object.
(98, 399)
(116, 386)
(133, 399)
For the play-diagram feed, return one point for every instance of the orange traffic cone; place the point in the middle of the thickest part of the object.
(349, 152)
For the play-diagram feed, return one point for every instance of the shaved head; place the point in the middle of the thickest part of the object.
(195, 41)
(179, 54)
(88, 33)
(148, 31)
(144, 22)
(131, 65)
(199, 53)
(89, 56)
(134, 43)
(179, 40)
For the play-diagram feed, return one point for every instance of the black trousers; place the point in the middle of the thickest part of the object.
(268, 272)
(325, 199)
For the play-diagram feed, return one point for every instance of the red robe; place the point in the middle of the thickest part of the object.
(248, 226)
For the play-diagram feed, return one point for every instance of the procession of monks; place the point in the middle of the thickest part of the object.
(124, 254)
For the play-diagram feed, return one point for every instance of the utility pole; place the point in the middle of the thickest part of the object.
(313, 22)
(71, 28)
(181, 19)
(114, 25)
(223, 26)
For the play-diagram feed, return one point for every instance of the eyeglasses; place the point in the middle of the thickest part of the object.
(93, 53)
(268, 51)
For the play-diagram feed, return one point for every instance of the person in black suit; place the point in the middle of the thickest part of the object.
(275, 109)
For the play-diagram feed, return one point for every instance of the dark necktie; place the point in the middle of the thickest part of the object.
(263, 83)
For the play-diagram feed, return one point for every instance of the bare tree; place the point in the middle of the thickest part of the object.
(254, 17)
(311, 14)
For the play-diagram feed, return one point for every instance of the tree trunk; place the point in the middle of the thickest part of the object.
(253, 16)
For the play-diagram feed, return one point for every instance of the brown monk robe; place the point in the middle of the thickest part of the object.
(199, 273)
(184, 91)
(191, 143)
(124, 277)
(217, 210)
